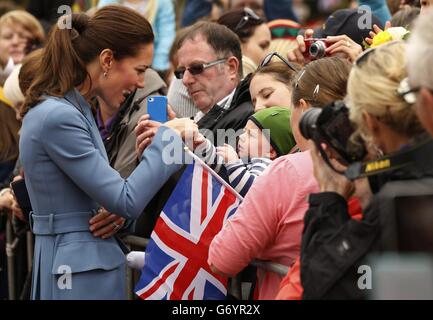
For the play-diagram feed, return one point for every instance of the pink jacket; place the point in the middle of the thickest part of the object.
(268, 224)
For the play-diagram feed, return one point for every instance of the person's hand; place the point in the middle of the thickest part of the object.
(105, 224)
(186, 128)
(343, 45)
(17, 212)
(227, 152)
(170, 113)
(144, 132)
(198, 140)
(363, 192)
(297, 54)
(6, 199)
(329, 180)
(375, 31)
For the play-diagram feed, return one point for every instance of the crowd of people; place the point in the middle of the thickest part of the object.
(248, 84)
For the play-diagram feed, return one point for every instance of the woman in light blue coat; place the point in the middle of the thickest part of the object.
(160, 14)
(66, 168)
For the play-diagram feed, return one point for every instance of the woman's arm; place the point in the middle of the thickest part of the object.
(69, 144)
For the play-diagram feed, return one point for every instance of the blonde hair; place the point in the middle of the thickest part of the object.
(372, 88)
(27, 21)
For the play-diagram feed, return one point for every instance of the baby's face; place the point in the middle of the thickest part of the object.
(253, 142)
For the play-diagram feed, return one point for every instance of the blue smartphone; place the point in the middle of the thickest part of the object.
(157, 108)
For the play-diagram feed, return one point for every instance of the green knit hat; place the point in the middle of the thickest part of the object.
(277, 120)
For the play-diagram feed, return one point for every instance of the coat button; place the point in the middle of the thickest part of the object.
(343, 247)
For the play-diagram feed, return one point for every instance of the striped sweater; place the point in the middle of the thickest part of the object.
(241, 175)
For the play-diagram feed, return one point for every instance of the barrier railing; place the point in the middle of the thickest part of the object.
(129, 240)
(235, 284)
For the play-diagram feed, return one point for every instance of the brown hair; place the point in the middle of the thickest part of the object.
(69, 51)
(221, 39)
(279, 71)
(231, 20)
(28, 22)
(8, 133)
(405, 17)
(321, 81)
(28, 69)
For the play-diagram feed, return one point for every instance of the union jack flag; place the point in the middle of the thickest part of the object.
(175, 265)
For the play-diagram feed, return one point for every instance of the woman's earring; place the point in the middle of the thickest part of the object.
(105, 74)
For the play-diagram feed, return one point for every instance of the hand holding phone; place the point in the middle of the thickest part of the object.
(22, 196)
(157, 108)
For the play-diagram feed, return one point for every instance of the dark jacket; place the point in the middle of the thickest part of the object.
(334, 245)
(235, 117)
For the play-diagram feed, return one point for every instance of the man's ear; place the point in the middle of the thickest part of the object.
(233, 64)
(106, 58)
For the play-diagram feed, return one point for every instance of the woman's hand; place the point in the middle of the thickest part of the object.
(363, 192)
(6, 199)
(186, 128)
(105, 224)
(297, 54)
(227, 152)
(329, 180)
(343, 45)
(144, 132)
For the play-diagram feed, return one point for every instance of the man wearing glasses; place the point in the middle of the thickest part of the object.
(420, 64)
(211, 69)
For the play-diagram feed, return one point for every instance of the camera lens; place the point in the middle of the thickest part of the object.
(307, 124)
(317, 49)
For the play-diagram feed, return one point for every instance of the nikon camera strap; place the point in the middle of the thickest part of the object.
(387, 163)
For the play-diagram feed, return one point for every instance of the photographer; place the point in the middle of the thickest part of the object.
(333, 245)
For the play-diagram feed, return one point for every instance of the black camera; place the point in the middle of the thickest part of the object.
(331, 126)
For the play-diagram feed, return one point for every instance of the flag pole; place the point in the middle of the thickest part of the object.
(213, 173)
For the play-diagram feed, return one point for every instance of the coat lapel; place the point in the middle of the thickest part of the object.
(78, 101)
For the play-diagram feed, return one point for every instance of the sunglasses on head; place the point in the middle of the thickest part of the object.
(269, 57)
(248, 14)
(197, 68)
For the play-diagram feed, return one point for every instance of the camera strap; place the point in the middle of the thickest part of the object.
(386, 163)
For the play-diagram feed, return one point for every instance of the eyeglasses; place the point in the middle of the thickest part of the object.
(197, 68)
(269, 57)
(248, 14)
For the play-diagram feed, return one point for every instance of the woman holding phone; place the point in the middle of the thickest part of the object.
(67, 171)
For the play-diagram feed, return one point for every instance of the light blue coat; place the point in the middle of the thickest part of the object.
(68, 177)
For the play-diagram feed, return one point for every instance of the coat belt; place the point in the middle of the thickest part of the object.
(57, 223)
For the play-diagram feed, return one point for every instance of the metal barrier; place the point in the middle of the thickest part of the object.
(234, 289)
(129, 240)
(12, 241)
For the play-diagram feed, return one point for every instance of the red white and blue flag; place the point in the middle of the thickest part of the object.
(175, 265)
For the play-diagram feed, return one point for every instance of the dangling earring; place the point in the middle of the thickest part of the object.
(105, 74)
